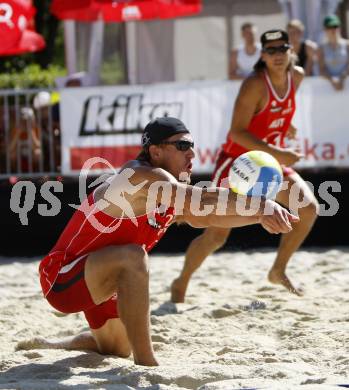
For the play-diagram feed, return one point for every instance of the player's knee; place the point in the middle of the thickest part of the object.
(123, 353)
(216, 239)
(310, 211)
(137, 259)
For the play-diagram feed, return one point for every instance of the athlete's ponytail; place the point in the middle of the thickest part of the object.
(259, 65)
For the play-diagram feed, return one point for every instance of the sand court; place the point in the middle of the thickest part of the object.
(235, 330)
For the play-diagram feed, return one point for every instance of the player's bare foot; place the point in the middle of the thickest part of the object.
(278, 277)
(178, 290)
(147, 362)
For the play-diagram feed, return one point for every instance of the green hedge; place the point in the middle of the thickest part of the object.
(32, 77)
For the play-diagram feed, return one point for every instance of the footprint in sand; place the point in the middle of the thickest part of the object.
(164, 309)
(254, 305)
(224, 350)
(265, 296)
(322, 263)
(299, 312)
(313, 381)
(222, 313)
(159, 339)
(34, 343)
(308, 318)
(32, 355)
(265, 288)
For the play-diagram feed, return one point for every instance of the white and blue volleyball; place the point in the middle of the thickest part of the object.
(256, 173)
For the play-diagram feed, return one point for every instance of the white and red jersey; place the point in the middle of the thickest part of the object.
(81, 237)
(272, 122)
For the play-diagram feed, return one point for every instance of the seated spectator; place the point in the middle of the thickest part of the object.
(334, 54)
(304, 48)
(244, 57)
(44, 103)
(25, 143)
(47, 106)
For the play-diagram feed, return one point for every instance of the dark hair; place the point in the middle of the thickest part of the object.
(144, 154)
(259, 65)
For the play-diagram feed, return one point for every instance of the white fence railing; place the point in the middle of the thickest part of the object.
(107, 122)
(29, 134)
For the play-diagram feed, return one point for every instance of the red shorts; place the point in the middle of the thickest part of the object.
(223, 164)
(69, 294)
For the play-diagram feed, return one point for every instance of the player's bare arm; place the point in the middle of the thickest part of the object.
(156, 186)
(298, 76)
(277, 220)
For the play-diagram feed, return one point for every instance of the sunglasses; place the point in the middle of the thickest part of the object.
(276, 49)
(180, 145)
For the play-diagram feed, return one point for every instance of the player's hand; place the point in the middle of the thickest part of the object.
(288, 157)
(276, 219)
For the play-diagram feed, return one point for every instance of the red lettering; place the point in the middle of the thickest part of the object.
(207, 154)
(329, 151)
(309, 151)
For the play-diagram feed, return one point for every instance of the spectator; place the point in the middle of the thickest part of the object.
(334, 53)
(25, 143)
(45, 105)
(310, 12)
(304, 48)
(246, 55)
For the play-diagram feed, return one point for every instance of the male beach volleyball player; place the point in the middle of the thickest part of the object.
(261, 120)
(100, 265)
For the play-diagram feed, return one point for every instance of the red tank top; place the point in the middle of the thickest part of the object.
(90, 229)
(271, 123)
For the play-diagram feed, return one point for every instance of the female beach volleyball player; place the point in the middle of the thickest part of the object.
(261, 120)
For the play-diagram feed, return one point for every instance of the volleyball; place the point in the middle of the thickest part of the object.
(256, 173)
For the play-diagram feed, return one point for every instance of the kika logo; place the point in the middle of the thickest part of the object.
(124, 114)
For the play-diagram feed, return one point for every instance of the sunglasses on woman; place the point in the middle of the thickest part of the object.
(276, 49)
(181, 145)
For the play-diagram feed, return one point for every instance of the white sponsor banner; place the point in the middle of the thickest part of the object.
(107, 121)
(322, 119)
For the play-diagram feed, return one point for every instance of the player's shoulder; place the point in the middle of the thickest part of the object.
(135, 178)
(144, 170)
(298, 74)
(298, 71)
(254, 83)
